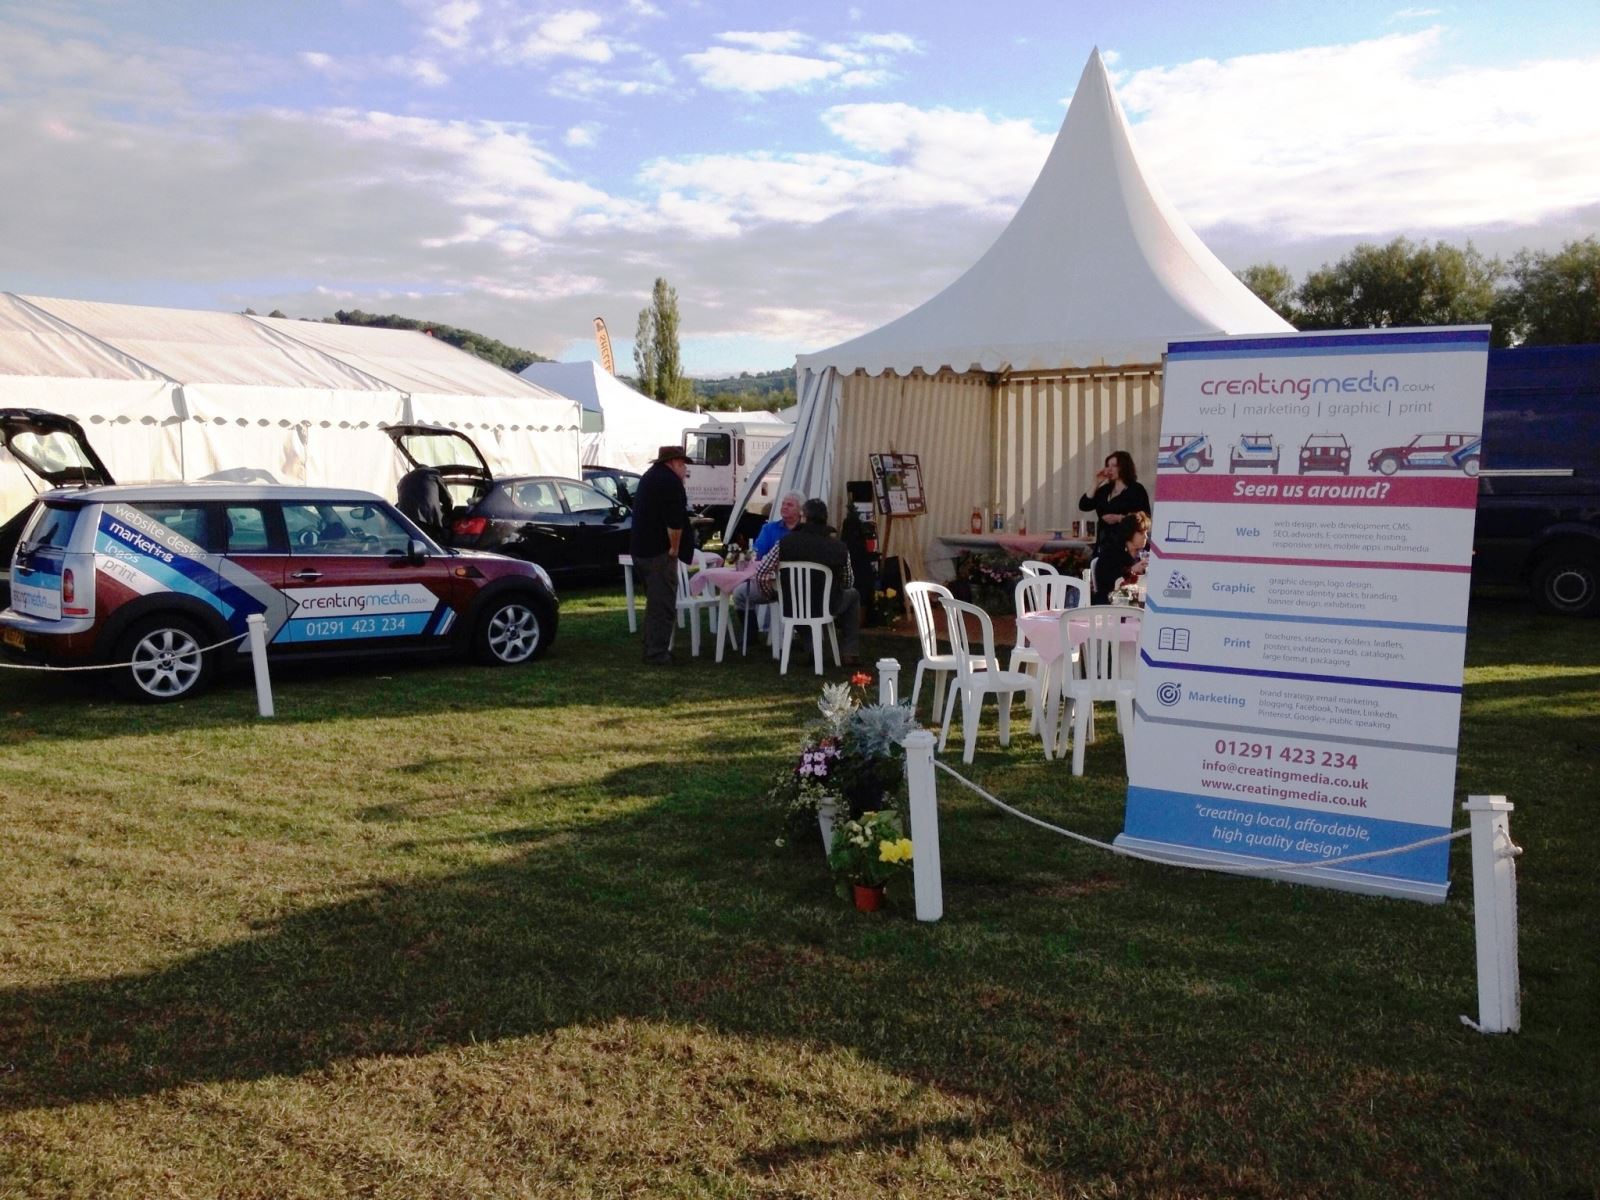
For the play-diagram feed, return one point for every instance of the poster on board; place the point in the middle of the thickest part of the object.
(898, 481)
(1300, 661)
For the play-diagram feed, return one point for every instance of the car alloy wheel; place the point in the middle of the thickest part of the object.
(166, 660)
(511, 633)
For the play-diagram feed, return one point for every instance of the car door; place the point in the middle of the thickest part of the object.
(530, 522)
(352, 584)
(600, 529)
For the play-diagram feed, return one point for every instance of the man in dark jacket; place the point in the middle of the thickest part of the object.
(813, 542)
(661, 538)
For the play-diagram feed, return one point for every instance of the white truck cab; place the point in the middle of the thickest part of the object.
(724, 453)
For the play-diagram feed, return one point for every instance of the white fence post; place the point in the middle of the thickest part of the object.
(627, 590)
(257, 625)
(888, 681)
(923, 803)
(1494, 910)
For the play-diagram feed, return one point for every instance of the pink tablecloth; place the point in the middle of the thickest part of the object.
(1042, 631)
(724, 579)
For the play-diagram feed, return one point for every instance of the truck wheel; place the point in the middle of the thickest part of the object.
(1191, 464)
(511, 631)
(167, 663)
(1568, 583)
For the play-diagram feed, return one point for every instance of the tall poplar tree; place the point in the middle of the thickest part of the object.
(655, 349)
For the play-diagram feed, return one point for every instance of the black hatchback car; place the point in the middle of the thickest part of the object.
(564, 525)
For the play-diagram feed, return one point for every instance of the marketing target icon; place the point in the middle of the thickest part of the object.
(1169, 693)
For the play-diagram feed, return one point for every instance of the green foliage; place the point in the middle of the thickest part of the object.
(655, 349)
(1274, 287)
(1400, 284)
(869, 850)
(511, 358)
(1553, 299)
(763, 390)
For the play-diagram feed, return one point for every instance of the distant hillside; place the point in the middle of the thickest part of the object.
(765, 389)
(512, 358)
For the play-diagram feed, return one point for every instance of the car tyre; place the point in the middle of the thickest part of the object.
(1567, 583)
(511, 631)
(1388, 465)
(1470, 466)
(167, 657)
(1191, 464)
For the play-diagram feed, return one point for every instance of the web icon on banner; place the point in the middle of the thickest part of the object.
(1177, 586)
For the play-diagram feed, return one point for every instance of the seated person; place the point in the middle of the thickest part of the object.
(752, 593)
(814, 542)
(1119, 559)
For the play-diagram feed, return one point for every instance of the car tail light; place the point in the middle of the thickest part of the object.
(69, 593)
(470, 526)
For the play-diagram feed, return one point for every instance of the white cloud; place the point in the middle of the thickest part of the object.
(582, 135)
(894, 43)
(774, 42)
(755, 71)
(566, 34)
(450, 23)
(1413, 14)
(1369, 137)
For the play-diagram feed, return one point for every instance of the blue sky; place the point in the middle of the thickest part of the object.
(800, 176)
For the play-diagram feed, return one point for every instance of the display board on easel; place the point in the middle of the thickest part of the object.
(897, 480)
(897, 485)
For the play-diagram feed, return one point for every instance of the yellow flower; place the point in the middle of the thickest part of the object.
(890, 594)
(905, 849)
(888, 852)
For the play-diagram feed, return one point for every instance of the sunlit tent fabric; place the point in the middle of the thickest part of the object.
(634, 427)
(521, 427)
(181, 394)
(1040, 359)
(126, 407)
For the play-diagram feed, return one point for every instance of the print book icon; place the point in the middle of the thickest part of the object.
(1173, 637)
(1177, 586)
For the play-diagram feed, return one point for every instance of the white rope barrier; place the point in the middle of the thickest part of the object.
(1230, 868)
(120, 666)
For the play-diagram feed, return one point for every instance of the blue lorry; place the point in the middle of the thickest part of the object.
(1539, 482)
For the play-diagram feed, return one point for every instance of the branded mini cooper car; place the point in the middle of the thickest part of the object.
(1325, 452)
(1191, 451)
(156, 576)
(53, 450)
(1430, 452)
(1253, 451)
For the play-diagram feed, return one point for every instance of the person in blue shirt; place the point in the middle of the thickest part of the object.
(790, 509)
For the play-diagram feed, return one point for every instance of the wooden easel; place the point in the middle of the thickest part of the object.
(911, 564)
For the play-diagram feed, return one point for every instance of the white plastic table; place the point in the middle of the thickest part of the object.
(726, 580)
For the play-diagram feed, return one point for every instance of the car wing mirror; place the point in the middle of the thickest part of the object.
(416, 552)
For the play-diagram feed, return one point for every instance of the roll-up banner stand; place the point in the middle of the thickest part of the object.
(1300, 662)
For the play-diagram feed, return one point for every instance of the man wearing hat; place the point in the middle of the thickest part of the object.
(661, 537)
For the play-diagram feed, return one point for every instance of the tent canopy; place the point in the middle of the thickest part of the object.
(635, 427)
(1096, 269)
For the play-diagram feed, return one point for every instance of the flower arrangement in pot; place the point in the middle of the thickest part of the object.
(868, 852)
(850, 762)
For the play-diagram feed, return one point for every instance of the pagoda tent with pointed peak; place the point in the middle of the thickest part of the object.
(1015, 382)
(631, 427)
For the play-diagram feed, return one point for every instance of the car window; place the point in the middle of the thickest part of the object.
(604, 483)
(245, 526)
(344, 528)
(185, 520)
(538, 497)
(584, 500)
(51, 526)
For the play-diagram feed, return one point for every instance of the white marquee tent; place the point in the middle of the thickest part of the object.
(179, 394)
(1014, 382)
(635, 426)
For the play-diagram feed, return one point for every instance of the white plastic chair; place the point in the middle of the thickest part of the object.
(691, 606)
(1102, 678)
(1034, 566)
(1043, 593)
(805, 593)
(977, 675)
(922, 597)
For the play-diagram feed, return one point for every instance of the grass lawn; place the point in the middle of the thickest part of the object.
(448, 931)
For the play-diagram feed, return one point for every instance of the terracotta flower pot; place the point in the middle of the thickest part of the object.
(869, 897)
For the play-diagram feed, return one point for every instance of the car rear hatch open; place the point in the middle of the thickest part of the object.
(53, 452)
(462, 468)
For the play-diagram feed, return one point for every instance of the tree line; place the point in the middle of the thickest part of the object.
(1533, 298)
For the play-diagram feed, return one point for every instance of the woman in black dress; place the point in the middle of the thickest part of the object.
(1119, 561)
(1118, 497)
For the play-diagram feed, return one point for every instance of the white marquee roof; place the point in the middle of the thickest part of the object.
(1096, 269)
(636, 426)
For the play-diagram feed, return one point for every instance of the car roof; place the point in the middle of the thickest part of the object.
(211, 490)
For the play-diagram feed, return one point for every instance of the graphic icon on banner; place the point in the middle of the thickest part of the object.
(1185, 531)
(1177, 586)
(1169, 693)
(1173, 637)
